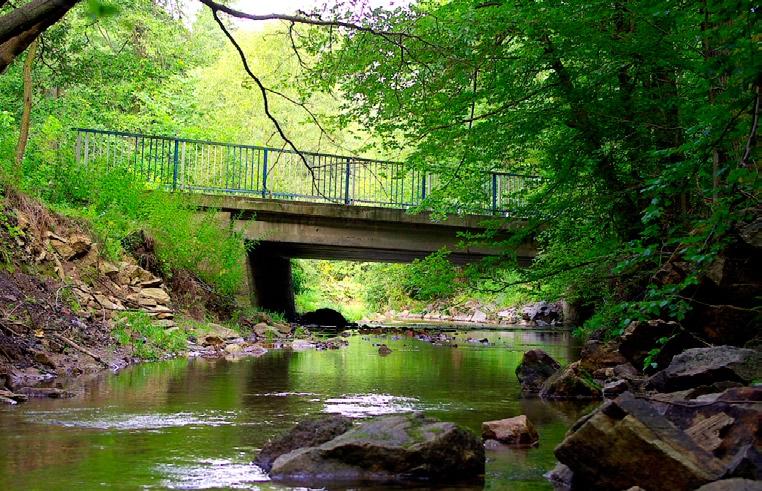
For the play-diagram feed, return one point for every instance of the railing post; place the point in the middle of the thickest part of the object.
(347, 199)
(264, 174)
(423, 187)
(494, 193)
(176, 165)
(78, 148)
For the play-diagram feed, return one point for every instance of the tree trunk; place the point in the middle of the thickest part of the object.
(27, 113)
(22, 25)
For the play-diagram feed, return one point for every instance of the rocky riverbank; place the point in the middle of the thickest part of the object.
(696, 421)
(536, 314)
(67, 309)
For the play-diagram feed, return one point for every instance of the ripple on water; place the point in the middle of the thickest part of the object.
(361, 405)
(154, 421)
(212, 473)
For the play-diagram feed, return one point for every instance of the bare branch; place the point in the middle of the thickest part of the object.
(300, 19)
(265, 101)
(750, 143)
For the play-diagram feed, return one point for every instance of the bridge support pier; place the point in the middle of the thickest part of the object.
(270, 281)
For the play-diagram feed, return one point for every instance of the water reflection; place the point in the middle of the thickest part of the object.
(196, 424)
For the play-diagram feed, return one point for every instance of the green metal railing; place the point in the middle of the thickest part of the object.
(184, 164)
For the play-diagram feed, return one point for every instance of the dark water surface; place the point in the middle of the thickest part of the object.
(197, 424)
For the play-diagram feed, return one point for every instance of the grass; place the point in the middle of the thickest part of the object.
(149, 341)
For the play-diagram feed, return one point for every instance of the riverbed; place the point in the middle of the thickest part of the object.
(197, 424)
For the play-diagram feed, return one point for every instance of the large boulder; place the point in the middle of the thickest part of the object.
(535, 368)
(728, 425)
(705, 366)
(667, 445)
(573, 382)
(543, 313)
(324, 317)
(511, 431)
(305, 434)
(388, 449)
(626, 443)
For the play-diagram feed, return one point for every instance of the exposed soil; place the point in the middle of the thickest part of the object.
(41, 338)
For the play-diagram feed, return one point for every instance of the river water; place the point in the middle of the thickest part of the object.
(197, 424)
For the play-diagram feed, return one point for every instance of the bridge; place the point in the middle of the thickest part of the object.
(339, 207)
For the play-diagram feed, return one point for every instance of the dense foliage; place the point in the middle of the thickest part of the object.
(641, 117)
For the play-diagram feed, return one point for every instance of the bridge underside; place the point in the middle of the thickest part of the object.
(344, 253)
(283, 230)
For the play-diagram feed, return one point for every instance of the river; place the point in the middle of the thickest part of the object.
(196, 424)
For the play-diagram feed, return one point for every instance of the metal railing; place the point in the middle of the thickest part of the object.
(184, 164)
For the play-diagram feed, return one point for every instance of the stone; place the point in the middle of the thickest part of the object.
(703, 366)
(596, 355)
(284, 328)
(402, 448)
(479, 316)
(560, 477)
(108, 269)
(233, 349)
(80, 244)
(727, 425)
(157, 294)
(254, 350)
(384, 350)
(153, 282)
(305, 434)
(573, 382)
(12, 398)
(626, 442)
(160, 309)
(736, 484)
(302, 344)
(614, 388)
(222, 332)
(105, 302)
(213, 340)
(535, 368)
(548, 313)
(260, 329)
(511, 431)
(63, 249)
(146, 302)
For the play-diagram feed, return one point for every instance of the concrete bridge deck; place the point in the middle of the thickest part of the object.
(283, 230)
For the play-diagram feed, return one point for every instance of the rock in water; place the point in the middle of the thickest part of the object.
(388, 449)
(573, 382)
(511, 431)
(324, 317)
(704, 366)
(535, 368)
(305, 434)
